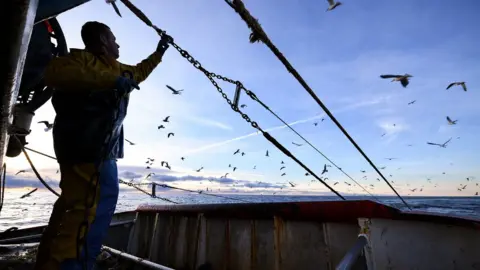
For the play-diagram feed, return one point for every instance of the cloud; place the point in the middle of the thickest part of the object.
(210, 123)
(129, 175)
(14, 181)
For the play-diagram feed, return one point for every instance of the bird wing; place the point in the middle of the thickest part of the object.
(389, 76)
(447, 141)
(450, 85)
(331, 2)
(43, 122)
(464, 86)
(449, 120)
(431, 143)
(171, 88)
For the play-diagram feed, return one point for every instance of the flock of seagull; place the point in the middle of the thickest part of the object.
(404, 80)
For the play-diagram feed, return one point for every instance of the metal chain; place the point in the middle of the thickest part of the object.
(212, 76)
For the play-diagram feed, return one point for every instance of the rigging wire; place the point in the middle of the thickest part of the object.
(259, 35)
(308, 142)
(211, 76)
(134, 185)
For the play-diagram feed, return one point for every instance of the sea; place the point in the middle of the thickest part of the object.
(35, 210)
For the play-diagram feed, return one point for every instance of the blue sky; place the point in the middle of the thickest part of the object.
(340, 54)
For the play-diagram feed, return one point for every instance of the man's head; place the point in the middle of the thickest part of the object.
(98, 39)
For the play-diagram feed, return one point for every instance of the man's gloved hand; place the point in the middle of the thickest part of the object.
(125, 85)
(163, 43)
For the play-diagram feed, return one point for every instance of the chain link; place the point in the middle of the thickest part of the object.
(212, 76)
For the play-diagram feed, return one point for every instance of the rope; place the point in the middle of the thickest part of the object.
(35, 169)
(202, 193)
(259, 35)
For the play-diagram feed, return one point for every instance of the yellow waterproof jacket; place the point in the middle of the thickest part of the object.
(89, 122)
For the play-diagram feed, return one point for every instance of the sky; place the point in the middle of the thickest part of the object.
(339, 53)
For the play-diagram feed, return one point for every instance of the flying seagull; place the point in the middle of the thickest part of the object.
(131, 143)
(182, 158)
(21, 171)
(292, 184)
(29, 193)
(324, 169)
(161, 126)
(283, 174)
(243, 106)
(164, 164)
(443, 145)
(458, 83)
(283, 167)
(243, 154)
(315, 124)
(47, 124)
(170, 134)
(403, 79)
(236, 152)
(166, 119)
(391, 158)
(333, 4)
(451, 122)
(201, 168)
(266, 154)
(297, 144)
(412, 102)
(175, 92)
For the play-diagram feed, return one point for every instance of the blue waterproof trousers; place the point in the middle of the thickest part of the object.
(65, 236)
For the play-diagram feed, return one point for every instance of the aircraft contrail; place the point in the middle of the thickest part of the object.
(344, 109)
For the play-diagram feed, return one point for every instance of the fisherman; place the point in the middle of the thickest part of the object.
(90, 100)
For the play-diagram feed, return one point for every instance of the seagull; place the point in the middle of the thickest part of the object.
(412, 102)
(243, 106)
(363, 171)
(283, 174)
(297, 144)
(21, 171)
(175, 92)
(307, 174)
(47, 124)
(283, 167)
(236, 152)
(324, 169)
(458, 83)
(292, 184)
(451, 122)
(170, 134)
(148, 168)
(392, 158)
(282, 162)
(315, 124)
(161, 126)
(348, 183)
(182, 158)
(234, 168)
(149, 175)
(166, 119)
(336, 183)
(131, 143)
(224, 176)
(413, 190)
(29, 193)
(255, 167)
(199, 169)
(229, 165)
(243, 154)
(403, 79)
(266, 154)
(384, 134)
(444, 145)
(382, 168)
(164, 164)
(323, 119)
(332, 5)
